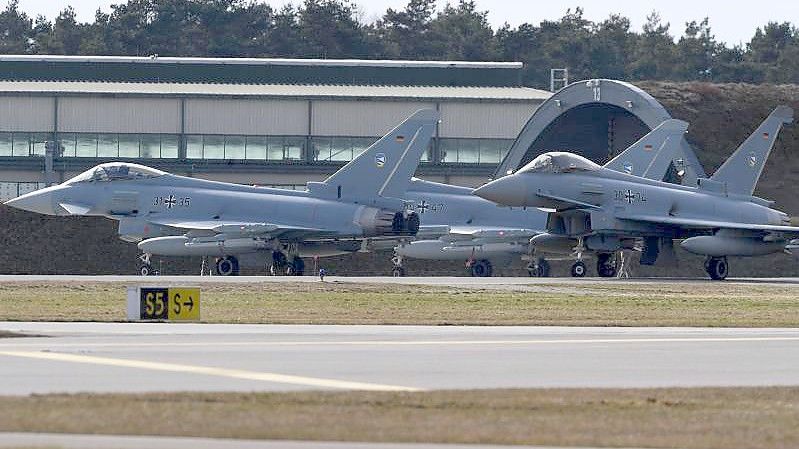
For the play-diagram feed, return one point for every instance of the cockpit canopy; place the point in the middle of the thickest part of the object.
(559, 162)
(113, 171)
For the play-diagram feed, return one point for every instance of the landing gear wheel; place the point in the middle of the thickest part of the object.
(227, 266)
(578, 269)
(279, 264)
(540, 269)
(296, 267)
(717, 268)
(481, 269)
(398, 272)
(605, 266)
(146, 270)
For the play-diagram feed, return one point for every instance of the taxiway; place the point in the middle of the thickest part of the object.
(138, 357)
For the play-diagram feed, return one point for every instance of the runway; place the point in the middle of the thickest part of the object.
(501, 283)
(139, 357)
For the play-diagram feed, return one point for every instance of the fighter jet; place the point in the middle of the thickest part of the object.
(595, 208)
(173, 215)
(483, 235)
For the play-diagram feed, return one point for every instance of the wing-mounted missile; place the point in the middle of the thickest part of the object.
(246, 228)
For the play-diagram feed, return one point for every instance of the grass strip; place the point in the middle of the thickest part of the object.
(676, 417)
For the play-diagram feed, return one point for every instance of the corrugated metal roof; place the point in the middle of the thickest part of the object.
(273, 90)
(265, 61)
(122, 69)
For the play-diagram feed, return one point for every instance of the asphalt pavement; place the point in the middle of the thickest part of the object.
(128, 357)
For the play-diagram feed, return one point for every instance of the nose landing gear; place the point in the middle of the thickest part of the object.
(578, 269)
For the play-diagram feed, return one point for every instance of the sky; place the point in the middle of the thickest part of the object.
(731, 22)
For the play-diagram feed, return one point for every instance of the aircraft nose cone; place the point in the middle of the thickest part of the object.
(508, 191)
(40, 201)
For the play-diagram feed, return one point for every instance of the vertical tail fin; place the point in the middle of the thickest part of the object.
(380, 169)
(644, 158)
(742, 170)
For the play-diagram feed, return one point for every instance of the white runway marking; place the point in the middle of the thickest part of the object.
(406, 342)
(210, 371)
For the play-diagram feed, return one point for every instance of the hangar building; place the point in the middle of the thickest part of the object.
(278, 122)
(283, 122)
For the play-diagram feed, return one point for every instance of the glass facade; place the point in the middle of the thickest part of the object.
(239, 147)
(473, 151)
(22, 143)
(265, 148)
(128, 146)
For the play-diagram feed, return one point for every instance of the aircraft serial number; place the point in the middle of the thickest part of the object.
(424, 206)
(172, 201)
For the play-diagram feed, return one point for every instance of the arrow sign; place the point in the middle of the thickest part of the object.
(184, 304)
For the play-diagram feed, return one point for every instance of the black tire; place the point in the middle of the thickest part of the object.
(540, 269)
(146, 270)
(717, 268)
(579, 269)
(482, 269)
(398, 272)
(227, 266)
(605, 266)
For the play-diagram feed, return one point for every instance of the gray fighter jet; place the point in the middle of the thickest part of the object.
(595, 208)
(174, 215)
(481, 234)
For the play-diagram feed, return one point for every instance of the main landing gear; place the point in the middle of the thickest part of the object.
(606, 265)
(717, 268)
(282, 265)
(480, 268)
(398, 270)
(227, 266)
(539, 269)
(146, 267)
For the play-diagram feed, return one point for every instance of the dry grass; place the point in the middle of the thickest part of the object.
(689, 418)
(598, 304)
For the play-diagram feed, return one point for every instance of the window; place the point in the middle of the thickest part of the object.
(255, 147)
(68, 144)
(5, 144)
(473, 151)
(38, 142)
(213, 147)
(150, 146)
(292, 147)
(194, 147)
(108, 145)
(234, 147)
(86, 145)
(169, 146)
(342, 149)
(128, 145)
(21, 144)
